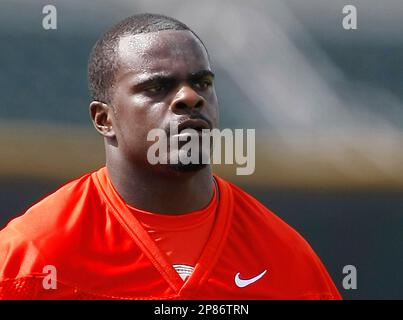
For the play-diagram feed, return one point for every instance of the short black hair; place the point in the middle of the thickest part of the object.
(103, 64)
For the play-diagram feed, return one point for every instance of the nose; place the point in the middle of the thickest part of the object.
(186, 99)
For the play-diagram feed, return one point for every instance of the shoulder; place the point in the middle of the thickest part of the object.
(42, 225)
(251, 213)
(256, 228)
(50, 212)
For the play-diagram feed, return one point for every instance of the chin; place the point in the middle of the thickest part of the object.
(188, 167)
(191, 167)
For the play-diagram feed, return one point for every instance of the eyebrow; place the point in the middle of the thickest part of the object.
(171, 78)
(201, 74)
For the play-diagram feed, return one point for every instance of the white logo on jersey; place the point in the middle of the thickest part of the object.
(183, 270)
(246, 282)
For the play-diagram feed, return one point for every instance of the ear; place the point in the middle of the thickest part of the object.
(101, 115)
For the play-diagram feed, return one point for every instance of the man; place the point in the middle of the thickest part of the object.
(136, 230)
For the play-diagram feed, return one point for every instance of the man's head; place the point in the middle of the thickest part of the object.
(148, 72)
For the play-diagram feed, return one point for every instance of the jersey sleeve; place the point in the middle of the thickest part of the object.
(20, 266)
(327, 280)
(322, 285)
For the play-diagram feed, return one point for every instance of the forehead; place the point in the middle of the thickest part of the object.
(163, 51)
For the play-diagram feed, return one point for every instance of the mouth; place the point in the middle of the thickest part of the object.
(195, 124)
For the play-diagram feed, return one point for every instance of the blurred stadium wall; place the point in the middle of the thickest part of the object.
(326, 103)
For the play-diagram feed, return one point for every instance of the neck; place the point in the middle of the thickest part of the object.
(161, 190)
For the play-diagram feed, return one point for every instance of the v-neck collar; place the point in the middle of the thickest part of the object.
(159, 259)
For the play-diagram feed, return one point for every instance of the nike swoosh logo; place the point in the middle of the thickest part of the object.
(246, 282)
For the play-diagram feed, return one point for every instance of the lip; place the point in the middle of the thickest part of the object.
(196, 124)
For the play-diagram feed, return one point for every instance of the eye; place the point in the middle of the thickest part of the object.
(204, 84)
(155, 88)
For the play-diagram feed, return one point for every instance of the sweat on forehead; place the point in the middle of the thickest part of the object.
(167, 44)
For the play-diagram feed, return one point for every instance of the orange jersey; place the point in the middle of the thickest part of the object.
(181, 237)
(100, 250)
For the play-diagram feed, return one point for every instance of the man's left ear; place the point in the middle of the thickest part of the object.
(101, 115)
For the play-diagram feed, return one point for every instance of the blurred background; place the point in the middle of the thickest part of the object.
(326, 103)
